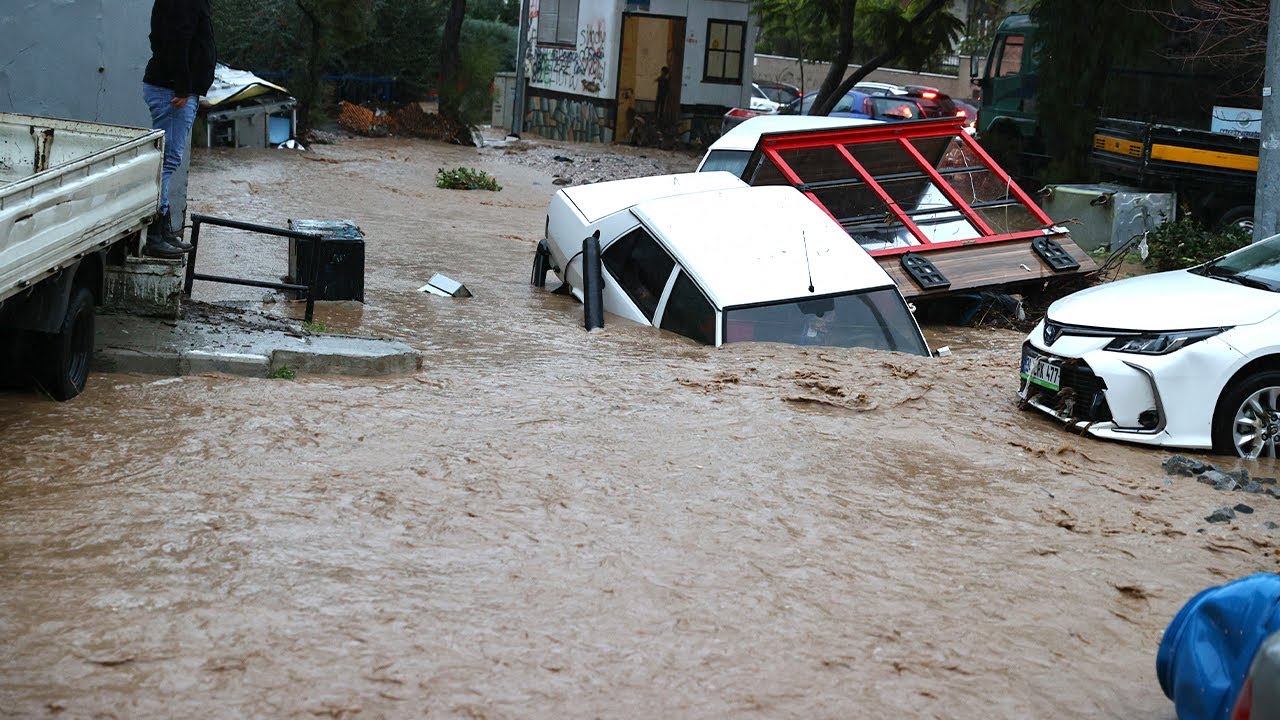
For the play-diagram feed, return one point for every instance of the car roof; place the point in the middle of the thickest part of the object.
(752, 245)
(598, 200)
(746, 134)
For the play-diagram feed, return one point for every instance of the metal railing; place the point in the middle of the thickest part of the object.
(314, 271)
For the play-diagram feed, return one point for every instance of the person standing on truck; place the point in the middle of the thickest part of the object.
(183, 56)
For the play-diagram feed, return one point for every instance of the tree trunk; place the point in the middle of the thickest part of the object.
(826, 98)
(450, 59)
(893, 51)
(311, 89)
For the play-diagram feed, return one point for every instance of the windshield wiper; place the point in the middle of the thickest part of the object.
(1232, 276)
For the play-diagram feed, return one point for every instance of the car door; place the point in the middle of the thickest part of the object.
(687, 311)
(639, 270)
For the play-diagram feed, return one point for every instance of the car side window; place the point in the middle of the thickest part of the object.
(844, 105)
(689, 313)
(641, 268)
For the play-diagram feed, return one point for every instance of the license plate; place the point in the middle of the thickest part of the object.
(1041, 370)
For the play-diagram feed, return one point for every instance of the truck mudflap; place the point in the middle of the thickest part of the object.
(912, 193)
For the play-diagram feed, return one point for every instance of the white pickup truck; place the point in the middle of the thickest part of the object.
(73, 197)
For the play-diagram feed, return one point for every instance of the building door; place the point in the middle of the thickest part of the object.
(649, 44)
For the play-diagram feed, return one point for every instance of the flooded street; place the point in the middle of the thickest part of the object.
(547, 523)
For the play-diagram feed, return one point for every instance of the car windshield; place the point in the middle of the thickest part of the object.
(877, 319)
(778, 94)
(1257, 265)
(734, 161)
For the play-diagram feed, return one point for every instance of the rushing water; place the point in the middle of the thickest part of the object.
(549, 523)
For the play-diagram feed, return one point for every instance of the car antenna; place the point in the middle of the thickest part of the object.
(807, 267)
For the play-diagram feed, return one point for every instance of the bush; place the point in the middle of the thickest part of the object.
(465, 178)
(1185, 243)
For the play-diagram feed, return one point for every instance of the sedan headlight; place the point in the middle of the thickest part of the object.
(1161, 343)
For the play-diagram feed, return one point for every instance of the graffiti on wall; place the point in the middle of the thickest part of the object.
(577, 69)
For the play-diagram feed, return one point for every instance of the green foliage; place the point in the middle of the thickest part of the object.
(493, 38)
(315, 327)
(879, 20)
(284, 372)
(465, 178)
(1184, 243)
(808, 29)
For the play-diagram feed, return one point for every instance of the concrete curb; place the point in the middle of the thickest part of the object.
(148, 346)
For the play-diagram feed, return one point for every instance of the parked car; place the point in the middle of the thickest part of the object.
(856, 104)
(1188, 358)
(970, 114)
(932, 101)
(778, 92)
(1260, 697)
(878, 88)
(732, 150)
(695, 255)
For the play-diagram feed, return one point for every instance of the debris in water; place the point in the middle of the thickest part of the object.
(445, 287)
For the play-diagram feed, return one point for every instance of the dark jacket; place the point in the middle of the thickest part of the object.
(182, 49)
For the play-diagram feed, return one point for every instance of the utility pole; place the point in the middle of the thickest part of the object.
(1266, 204)
(522, 50)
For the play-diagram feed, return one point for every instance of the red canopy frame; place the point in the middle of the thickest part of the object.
(906, 135)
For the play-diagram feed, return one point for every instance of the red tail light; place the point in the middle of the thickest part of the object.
(929, 95)
(744, 113)
(960, 113)
(1244, 703)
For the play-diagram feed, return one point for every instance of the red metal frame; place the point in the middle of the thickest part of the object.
(903, 133)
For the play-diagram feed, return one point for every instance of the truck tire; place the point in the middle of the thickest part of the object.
(1238, 217)
(69, 351)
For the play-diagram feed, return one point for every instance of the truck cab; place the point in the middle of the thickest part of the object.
(1007, 112)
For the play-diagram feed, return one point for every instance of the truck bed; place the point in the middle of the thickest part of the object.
(69, 187)
(1155, 154)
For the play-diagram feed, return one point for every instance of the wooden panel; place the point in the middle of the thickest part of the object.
(985, 266)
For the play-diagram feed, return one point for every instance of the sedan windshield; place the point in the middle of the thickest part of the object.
(1257, 265)
(877, 319)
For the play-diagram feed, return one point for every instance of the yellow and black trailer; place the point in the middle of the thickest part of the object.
(1213, 173)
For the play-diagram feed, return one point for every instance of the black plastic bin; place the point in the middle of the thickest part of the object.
(341, 275)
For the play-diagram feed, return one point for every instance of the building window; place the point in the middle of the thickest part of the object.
(724, 51)
(558, 22)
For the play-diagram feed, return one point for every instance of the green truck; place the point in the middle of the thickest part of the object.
(1213, 174)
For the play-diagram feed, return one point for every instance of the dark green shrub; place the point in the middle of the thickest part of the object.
(1185, 243)
(465, 178)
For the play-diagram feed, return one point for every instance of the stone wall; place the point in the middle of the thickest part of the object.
(558, 116)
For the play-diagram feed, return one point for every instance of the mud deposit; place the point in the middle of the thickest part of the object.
(546, 523)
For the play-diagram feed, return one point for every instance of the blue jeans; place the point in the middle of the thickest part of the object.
(176, 123)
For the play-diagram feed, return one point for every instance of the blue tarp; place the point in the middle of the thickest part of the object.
(1205, 653)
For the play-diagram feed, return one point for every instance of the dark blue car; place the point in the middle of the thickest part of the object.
(860, 105)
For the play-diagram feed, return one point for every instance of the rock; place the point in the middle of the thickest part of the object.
(1265, 481)
(1183, 465)
(1274, 492)
(1253, 487)
(1222, 514)
(1210, 477)
(1245, 509)
(561, 181)
(1241, 476)
(1271, 525)
(1219, 480)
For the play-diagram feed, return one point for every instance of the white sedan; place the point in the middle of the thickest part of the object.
(1188, 358)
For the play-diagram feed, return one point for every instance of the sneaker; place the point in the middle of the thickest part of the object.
(162, 249)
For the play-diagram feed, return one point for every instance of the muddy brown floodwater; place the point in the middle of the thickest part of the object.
(547, 523)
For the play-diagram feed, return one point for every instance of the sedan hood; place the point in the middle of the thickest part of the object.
(1177, 300)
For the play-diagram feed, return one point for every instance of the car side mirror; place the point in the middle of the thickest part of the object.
(973, 70)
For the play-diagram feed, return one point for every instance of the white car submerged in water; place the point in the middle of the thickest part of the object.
(705, 256)
(1189, 358)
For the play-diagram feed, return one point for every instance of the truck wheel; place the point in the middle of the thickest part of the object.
(68, 352)
(1240, 218)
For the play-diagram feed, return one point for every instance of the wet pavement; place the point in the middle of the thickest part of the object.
(547, 523)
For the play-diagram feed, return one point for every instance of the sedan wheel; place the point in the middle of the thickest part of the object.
(1248, 422)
